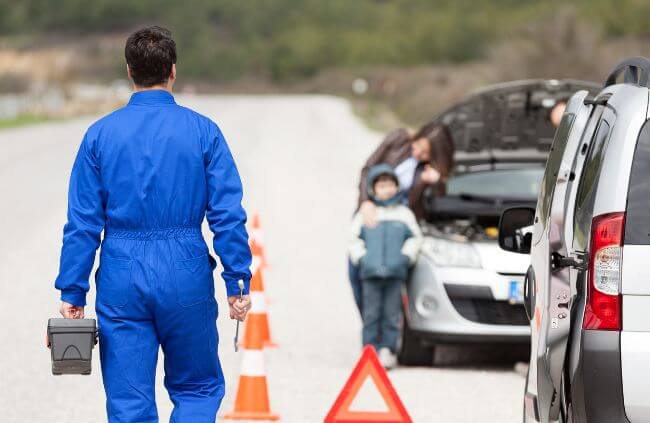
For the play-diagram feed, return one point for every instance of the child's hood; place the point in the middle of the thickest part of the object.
(373, 174)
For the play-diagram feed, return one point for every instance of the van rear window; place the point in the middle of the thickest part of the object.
(553, 167)
(586, 195)
(637, 220)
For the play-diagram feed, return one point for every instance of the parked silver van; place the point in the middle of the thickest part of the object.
(587, 291)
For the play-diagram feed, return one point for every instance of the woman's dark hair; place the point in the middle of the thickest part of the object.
(442, 146)
(150, 54)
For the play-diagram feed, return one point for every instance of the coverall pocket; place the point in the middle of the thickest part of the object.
(194, 283)
(114, 281)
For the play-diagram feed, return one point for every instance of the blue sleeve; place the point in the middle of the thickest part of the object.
(225, 214)
(82, 232)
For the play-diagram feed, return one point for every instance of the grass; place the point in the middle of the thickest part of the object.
(375, 114)
(22, 120)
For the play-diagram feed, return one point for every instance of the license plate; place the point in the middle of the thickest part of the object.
(516, 292)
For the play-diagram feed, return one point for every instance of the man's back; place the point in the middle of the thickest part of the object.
(152, 155)
(152, 167)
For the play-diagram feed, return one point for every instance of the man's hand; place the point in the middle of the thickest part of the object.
(70, 311)
(239, 308)
(368, 211)
(430, 175)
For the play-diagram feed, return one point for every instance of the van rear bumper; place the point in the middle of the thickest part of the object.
(635, 366)
(598, 380)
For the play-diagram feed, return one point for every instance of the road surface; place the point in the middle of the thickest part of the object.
(299, 158)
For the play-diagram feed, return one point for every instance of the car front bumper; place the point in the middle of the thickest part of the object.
(447, 304)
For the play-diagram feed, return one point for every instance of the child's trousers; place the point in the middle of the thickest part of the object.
(381, 312)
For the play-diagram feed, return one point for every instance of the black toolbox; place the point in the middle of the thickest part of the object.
(71, 343)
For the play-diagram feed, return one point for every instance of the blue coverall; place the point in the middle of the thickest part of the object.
(147, 175)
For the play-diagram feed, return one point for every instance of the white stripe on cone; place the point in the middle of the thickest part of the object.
(252, 363)
(258, 302)
(256, 263)
(257, 235)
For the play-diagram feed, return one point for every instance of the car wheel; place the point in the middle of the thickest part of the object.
(412, 352)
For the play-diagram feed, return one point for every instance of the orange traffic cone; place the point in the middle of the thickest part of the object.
(257, 281)
(257, 332)
(252, 401)
(257, 240)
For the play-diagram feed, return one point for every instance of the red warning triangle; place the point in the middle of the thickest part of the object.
(368, 366)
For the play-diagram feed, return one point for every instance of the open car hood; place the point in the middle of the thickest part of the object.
(465, 206)
(508, 122)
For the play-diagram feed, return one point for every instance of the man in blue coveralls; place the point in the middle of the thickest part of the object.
(147, 175)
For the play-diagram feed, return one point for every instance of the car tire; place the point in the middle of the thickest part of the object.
(412, 352)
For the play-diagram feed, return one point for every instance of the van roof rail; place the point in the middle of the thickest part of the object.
(636, 71)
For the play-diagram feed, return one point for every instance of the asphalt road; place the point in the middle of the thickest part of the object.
(299, 157)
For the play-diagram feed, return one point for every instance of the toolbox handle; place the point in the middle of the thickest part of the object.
(637, 70)
(65, 352)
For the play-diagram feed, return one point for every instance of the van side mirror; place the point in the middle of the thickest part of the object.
(516, 229)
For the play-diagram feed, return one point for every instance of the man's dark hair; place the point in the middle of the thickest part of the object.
(150, 54)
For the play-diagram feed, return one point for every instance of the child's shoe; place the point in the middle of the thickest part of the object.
(387, 358)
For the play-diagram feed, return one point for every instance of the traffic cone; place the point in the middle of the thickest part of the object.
(257, 281)
(257, 240)
(252, 401)
(257, 332)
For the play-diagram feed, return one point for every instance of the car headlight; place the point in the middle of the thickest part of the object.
(449, 253)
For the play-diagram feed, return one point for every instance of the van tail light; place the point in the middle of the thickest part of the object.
(603, 309)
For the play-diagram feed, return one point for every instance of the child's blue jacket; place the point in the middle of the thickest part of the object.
(387, 250)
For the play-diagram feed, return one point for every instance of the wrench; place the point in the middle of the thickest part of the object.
(241, 295)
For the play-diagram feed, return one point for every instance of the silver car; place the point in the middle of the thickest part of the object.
(464, 288)
(588, 287)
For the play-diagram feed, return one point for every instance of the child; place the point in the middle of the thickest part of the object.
(384, 254)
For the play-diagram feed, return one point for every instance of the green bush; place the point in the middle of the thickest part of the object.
(285, 39)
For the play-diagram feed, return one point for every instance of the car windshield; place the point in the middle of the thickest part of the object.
(507, 183)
